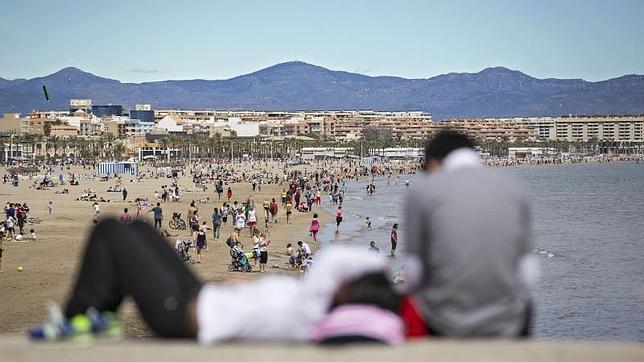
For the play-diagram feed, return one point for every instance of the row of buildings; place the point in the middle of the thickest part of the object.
(83, 119)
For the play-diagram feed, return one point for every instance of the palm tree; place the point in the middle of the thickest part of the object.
(53, 142)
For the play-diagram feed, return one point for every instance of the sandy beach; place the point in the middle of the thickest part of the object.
(51, 263)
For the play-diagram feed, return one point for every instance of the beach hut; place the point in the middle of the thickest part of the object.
(117, 168)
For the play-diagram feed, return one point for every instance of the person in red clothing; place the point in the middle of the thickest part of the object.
(315, 228)
(273, 208)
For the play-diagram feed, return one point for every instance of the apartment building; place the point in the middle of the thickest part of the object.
(491, 129)
(585, 128)
(137, 127)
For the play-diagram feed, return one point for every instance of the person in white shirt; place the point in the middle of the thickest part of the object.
(305, 249)
(176, 304)
(9, 224)
(240, 221)
(97, 209)
(252, 220)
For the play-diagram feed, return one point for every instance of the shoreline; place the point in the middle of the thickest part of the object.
(51, 263)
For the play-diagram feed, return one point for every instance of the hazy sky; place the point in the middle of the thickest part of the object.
(138, 40)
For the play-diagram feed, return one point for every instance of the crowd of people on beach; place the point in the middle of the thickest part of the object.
(461, 279)
(346, 294)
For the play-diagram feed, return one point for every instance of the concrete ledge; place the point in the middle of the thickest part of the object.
(19, 349)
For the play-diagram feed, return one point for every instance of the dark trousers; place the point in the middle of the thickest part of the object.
(215, 230)
(134, 260)
(157, 222)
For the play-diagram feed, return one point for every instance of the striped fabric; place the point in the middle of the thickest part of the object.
(117, 168)
(360, 320)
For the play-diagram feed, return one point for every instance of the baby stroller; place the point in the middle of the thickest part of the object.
(182, 247)
(239, 261)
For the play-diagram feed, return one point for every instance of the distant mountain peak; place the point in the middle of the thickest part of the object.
(71, 71)
(292, 65)
(501, 71)
(298, 85)
(76, 75)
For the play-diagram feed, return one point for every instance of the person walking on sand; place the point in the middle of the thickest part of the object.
(264, 242)
(314, 228)
(339, 215)
(267, 208)
(199, 239)
(224, 214)
(216, 223)
(97, 209)
(394, 239)
(229, 194)
(240, 221)
(273, 208)
(124, 193)
(139, 209)
(252, 219)
(158, 215)
(289, 211)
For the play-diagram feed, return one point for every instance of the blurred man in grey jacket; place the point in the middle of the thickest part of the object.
(470, 260)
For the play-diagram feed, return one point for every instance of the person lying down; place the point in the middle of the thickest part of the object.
(346, 298)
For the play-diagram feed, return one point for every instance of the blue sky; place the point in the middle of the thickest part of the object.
(139, 40)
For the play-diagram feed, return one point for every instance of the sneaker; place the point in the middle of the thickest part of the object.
(81, 327)
(59, 328)
(105, 324)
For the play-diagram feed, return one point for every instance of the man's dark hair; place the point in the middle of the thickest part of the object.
(372, 288)
(444, 142)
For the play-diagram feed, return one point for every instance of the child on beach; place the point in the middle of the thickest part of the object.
(315, 228)
(97, 209)
(50, 207)
(33, 236)
(368, 222)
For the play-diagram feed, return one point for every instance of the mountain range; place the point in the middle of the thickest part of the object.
(492, 92)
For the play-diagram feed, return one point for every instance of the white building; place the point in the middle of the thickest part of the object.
(316, 153)
(243, 128)
(169, 123)
(528, 152)
(136, 127)
(398, 152)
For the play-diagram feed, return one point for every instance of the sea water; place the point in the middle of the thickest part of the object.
(588, 232)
